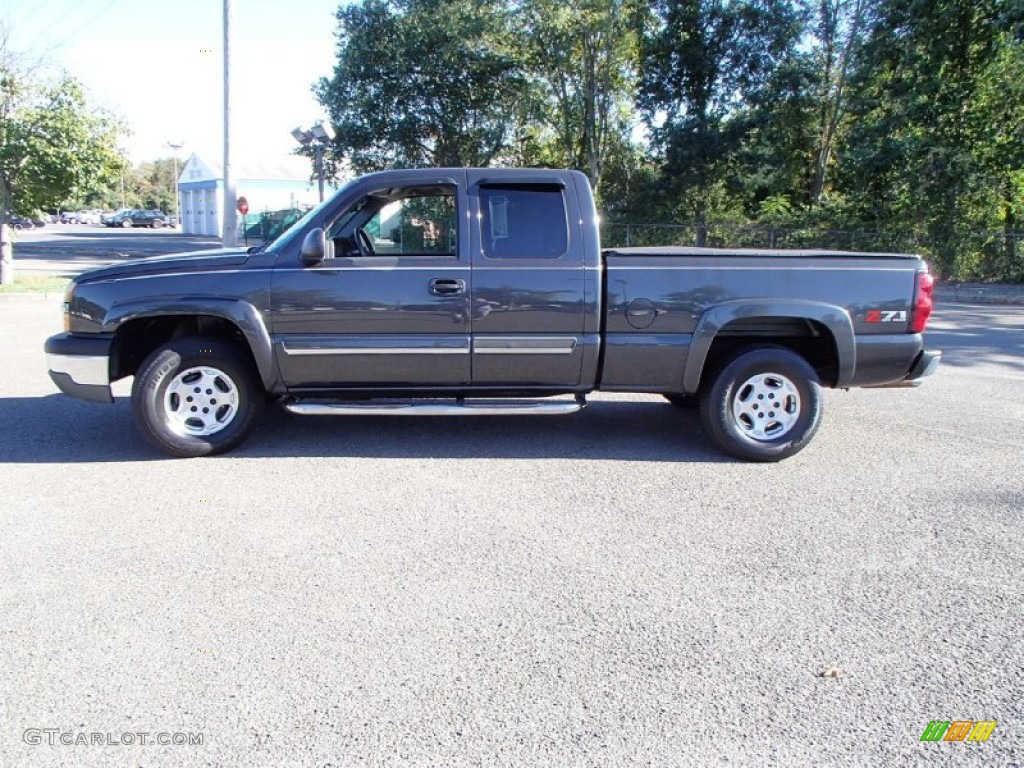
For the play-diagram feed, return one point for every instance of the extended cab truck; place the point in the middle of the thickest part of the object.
(483, 291)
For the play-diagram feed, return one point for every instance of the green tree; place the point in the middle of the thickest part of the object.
(913, 156)
(423, 83)
(52, 145)
(777, 138)
(151, 185)
(998, 128)
(582, 56)
(703, 64)
(837, 32)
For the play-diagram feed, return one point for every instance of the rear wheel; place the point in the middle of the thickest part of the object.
(765, 405)
(196, 396)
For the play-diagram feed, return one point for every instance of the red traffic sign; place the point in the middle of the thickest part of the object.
(243, 206)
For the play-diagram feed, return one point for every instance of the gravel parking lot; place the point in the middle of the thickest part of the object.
(603, 589)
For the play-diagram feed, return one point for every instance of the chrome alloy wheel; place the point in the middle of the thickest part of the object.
(766, 406)
(200, 401)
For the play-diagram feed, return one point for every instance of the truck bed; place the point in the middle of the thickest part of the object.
(664, 304)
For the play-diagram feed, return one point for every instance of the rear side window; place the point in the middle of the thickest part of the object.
(523, 221)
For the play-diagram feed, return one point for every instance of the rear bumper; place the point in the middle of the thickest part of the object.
(80, 367)
(924, 365)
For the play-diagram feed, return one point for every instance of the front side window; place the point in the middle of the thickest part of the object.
(523, 221)
(413, 221)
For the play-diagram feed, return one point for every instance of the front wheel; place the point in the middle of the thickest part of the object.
(126, 223)
(196, 397)
(765, 405)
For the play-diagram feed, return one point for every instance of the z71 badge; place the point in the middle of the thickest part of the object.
(886, 316)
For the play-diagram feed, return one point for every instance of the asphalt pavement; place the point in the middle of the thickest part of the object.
(67, 249)
(603, 589)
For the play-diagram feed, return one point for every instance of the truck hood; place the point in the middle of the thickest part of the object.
(210, 260)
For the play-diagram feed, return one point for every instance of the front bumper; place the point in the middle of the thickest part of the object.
(80, 366)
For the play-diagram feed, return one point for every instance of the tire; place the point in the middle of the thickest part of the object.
(764, 405)
(682, 401)
(126, 223)
(228, 396)
(157, 224)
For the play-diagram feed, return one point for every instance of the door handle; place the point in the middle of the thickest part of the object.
(447, 287)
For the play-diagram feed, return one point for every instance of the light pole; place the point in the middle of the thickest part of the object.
(317, 137)
(176, 145)
(229, 225)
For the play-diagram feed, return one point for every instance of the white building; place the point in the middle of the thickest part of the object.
(279, 183)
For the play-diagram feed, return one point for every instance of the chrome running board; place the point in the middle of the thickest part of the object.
(479, 407)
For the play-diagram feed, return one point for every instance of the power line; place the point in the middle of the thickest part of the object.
(31, 12)
(82, 27)
(57, 18)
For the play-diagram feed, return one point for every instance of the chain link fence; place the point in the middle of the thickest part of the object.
(955, 255)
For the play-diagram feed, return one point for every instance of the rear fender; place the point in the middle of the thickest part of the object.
(835, 319)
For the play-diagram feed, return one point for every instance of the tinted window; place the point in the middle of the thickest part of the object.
(525, 221)
(410, 221)
(415, 224)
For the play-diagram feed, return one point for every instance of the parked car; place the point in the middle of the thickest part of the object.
(489, 295)
(26, 222)
(135, 218)
(106, 216)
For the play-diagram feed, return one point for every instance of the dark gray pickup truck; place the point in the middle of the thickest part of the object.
(483, 291)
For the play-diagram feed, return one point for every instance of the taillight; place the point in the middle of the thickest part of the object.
(924, 286)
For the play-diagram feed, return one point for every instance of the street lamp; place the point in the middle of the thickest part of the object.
(176, 145)
(317, 137)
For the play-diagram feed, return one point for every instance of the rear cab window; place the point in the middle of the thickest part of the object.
(523, 221)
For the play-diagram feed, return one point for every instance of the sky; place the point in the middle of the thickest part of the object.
(158, 65)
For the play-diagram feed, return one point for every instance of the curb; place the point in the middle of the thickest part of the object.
(33, 296)
(980, 293)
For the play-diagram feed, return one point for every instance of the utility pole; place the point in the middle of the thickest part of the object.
(6, 237)
(6, 252)
(318, 150)
(175, 146)
(229, 234)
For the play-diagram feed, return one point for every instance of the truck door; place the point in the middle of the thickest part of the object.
(528, 283)
(390, 306)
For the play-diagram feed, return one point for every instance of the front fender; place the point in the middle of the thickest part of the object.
(835, 319)
(246, 317)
